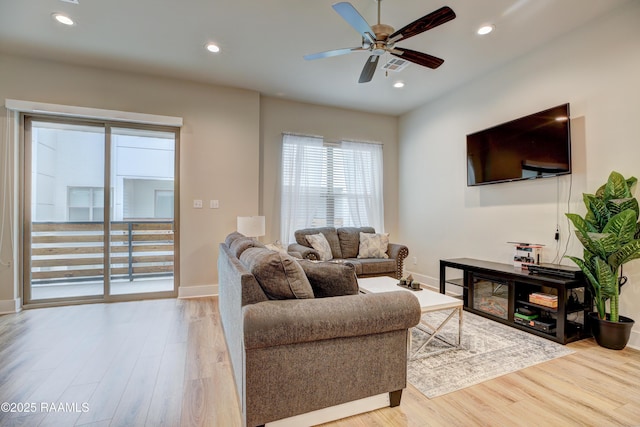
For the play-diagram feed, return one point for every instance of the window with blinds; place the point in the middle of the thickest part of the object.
(333, 184)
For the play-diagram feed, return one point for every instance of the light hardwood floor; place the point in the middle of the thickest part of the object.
(164, 362)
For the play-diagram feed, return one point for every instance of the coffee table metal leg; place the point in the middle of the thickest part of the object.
(437, 329)
(459, 326)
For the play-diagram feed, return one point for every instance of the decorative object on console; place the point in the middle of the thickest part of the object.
(526, 254)
(251, 226)
(610, 234)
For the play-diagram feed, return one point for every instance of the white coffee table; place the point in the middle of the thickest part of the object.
(429, 301)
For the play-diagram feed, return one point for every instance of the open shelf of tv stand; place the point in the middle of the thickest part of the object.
(497, 291)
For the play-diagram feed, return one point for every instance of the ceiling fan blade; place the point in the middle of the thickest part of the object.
(369, 69)
(419, 58)
(353, 18)
(427, 22)
(330, 53)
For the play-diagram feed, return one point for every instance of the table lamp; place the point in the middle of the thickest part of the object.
(251, 226)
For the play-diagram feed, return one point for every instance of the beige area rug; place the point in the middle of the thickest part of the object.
(489, 350)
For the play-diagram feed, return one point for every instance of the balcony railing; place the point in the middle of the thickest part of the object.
(63, 252)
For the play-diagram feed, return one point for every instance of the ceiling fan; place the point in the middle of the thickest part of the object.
(380, 38)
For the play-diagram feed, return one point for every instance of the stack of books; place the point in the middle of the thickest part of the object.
(546, 300)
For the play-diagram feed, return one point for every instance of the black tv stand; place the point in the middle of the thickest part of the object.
(499, 291)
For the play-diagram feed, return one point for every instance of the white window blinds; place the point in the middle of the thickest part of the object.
(330, 184)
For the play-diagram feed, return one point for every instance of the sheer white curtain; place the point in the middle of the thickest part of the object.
(364, 182)
(302, 173)
(330, 184)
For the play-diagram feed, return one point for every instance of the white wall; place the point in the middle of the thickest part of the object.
(597, 70)
(278, 116)
(219, 148)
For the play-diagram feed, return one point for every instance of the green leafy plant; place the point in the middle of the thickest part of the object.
(610, 234)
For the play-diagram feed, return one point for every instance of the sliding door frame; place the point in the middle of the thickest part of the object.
(26, 158)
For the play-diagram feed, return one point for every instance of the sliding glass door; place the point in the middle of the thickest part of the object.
(99, 211)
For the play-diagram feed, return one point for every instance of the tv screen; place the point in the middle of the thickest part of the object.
(535, 146)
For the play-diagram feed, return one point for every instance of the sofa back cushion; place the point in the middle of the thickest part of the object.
(350, 240)
(279, 274)
(330, 234)
(239, 245)
(233, 236)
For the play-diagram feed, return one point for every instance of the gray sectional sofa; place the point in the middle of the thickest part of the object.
(344, 243)
(301, 337)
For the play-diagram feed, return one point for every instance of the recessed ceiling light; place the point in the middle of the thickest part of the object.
(485, 29)
(398, 84)
(63, 19)
(212, 47)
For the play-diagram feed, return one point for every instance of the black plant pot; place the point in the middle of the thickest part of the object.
(613, 335)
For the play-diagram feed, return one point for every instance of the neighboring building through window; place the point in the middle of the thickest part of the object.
(334, 184)
(86, 204)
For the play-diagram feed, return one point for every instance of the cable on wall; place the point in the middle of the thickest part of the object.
(569, 234)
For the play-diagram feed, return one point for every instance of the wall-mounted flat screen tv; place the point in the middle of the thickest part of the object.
(535, 146)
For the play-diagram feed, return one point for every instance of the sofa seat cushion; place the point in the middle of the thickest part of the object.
(369, 266)
(350, 240)
(330, 234)
(279, 275)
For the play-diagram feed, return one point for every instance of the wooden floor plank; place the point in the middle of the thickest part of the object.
(165, 363)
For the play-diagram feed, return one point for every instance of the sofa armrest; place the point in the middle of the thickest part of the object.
(399, 253)
(303, 251)
(274, 323)
(395, 251)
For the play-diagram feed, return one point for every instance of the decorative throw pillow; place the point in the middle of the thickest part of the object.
(276, 246)
(320, 244)
(278, 274)
(373, 245)
(329, 279)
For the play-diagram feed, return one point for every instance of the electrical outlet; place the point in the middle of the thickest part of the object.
(197, 204)
(214, 204)
(415, 260)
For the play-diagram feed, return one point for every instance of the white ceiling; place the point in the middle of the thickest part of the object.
(263, 42)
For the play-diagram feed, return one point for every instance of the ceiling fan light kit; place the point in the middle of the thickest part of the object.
(381, 38)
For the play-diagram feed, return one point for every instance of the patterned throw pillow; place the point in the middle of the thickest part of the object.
(373, 245)
(320, 244)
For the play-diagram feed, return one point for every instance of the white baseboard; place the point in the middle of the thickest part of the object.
(10, 306)
(333, 413)
(197, 291)
(634, 339)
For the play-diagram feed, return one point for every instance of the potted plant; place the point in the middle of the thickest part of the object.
(610, 234)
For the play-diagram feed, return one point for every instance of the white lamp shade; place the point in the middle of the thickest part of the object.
(251, 226)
